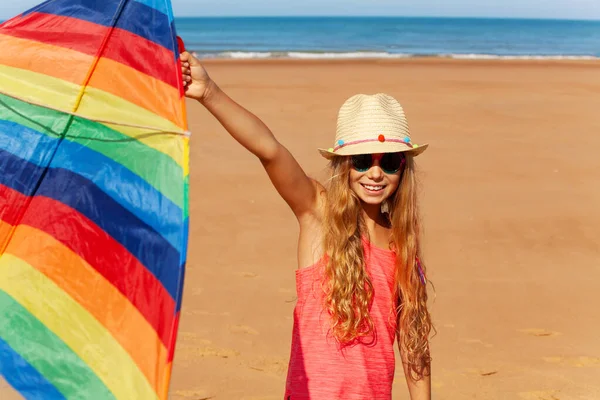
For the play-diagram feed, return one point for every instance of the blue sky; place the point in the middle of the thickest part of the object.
(561, 9)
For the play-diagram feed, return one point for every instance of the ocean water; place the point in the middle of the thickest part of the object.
(355, 37)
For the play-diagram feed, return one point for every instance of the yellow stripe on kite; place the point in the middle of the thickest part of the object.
(99, 105)
(57, 94)
(186, 157)
(37, 88)
(75, 327)
(97, 295)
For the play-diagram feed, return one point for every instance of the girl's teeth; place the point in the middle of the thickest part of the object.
(374, 187)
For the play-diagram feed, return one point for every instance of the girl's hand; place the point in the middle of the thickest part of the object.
(196, 81)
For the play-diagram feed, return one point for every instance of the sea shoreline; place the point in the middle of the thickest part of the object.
(411, 61)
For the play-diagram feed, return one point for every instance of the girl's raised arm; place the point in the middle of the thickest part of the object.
(296, 188)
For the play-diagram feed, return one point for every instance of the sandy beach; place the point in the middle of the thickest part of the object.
(510, 200)
(511, 188)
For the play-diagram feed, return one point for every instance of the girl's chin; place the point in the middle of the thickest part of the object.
(372, 201)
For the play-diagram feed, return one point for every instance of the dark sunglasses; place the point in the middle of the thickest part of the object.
(390, 163)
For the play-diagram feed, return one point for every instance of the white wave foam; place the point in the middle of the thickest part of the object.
(244, 54)
(358, 54)
(367, 54)
(304, 55)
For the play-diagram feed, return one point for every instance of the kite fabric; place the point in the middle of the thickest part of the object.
(94, 165)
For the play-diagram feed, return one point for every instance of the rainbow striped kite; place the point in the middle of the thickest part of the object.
(93, 199)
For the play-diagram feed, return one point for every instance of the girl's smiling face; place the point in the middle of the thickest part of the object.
(375, 177)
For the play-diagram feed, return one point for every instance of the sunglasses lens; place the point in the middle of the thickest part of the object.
(391, 162)
(362, 162)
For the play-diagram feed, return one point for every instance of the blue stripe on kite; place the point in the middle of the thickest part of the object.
(24, 377)
(175, 43)
(184, 242)
(169, 7)
(148, 23)
(176, 49)
(26, 143)
(136, 17)
(99, 12)
(158, 5)
(24, 181)
(181, 281)
(183, 263)
(125, 187)
(82, 195)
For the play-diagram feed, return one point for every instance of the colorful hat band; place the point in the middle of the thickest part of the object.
(381, 138)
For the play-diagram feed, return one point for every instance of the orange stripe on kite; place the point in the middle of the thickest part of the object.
(167, 379)
(146, 56)
(110, 76)
(108, 305)
(5, 231)
(152, 94)
(73, 66)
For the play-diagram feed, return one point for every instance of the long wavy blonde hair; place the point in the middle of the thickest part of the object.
(348, 288)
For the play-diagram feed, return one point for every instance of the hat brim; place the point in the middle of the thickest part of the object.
(373, 148)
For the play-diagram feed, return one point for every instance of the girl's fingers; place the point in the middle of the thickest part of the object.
(186, 73)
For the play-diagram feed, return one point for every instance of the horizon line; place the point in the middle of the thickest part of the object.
(481, 17)
(597, 19)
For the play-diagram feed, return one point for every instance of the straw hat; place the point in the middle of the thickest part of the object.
(370, 124)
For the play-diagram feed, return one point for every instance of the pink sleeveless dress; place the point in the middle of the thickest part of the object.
(320, 368)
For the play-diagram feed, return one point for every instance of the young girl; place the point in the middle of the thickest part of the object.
(361, 280)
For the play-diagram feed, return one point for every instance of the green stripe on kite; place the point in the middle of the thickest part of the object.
(186, 191)
(53, 359)
(149, 164)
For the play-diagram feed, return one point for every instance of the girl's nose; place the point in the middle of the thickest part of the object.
(375, 173)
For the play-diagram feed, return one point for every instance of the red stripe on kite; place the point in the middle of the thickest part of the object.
(86, 37)
(101, 251)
